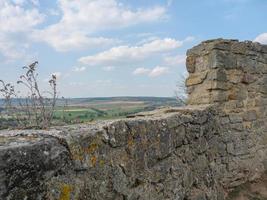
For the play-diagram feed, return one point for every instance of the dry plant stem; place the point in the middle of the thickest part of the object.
(8, 93)
(42, 106)
(36, 109)
(28, 81)
(181, 91)
(53, 84)
(65, 106)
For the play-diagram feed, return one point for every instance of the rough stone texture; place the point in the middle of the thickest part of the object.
(166, 155)
(236, 83)
(251, 190)
(202, 151)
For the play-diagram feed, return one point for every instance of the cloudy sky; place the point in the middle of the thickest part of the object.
(118, 47)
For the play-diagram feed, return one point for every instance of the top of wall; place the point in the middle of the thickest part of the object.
(235, 46)
(224, 70)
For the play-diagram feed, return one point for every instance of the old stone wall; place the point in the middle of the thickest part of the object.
(232, 76)
(201, 151)
(168, 155)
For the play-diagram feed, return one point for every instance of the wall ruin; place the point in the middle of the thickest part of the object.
(200, 151)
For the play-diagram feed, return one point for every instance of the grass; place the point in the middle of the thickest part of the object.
(79, 114)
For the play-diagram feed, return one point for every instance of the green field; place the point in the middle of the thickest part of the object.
(90, 109)
(78, 114)
(71, 111)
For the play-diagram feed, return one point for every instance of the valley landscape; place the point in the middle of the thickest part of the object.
(82, 110)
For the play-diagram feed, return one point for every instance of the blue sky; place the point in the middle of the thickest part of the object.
(118, 47)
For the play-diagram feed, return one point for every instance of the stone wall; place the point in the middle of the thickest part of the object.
(163, 156)
(201, 151)
(232, 76)
(227, 71)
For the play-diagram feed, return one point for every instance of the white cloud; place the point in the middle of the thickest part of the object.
(10, 49)
(141, 71)
(79, 23)
(155, 72)
(53, 12)
(108, 68)
(79, 69)
(62, 41)
(16, 21)
(189, 39)
(158, 71)
(175, 60)
(81, 19)
(126, 54)
(102, 14)
(262, 38)
(35, 2)
(148, 39)
(19, 2)
(16, 18)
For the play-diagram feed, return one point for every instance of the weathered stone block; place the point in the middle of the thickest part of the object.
(250, 115)
(248, 78)
(217, 75)
(217, 85)
(235, 118)
(201, 63)
(190, 63)
(218, 96)
(222, 59)
(237, 93)
(196, 79)
(234, 76)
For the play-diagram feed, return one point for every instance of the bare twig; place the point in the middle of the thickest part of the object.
(181, 91)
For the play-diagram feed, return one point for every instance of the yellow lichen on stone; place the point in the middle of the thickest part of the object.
(130, 142)
(247, 125)
(65, 192)
(77, 153)
(101, 163)
(93, 160)
(92, 148)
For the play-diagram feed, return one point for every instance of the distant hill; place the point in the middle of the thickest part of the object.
(79, 110)
(156, 101)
